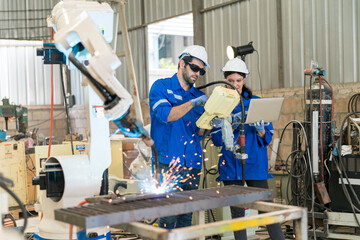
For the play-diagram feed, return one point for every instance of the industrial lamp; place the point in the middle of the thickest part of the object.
(241, 51)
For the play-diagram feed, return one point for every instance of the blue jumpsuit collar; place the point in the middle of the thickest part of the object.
(175, 84)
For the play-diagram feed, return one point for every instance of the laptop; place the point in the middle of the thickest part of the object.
(267, 109)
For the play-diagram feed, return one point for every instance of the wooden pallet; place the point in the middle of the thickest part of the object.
(17, 213)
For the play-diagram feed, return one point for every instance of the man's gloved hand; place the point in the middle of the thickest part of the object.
(236, 120)
(260, 126)
(199, 101)
(217, 122)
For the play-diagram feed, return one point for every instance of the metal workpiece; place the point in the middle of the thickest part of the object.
(120, 211)
(279, 213)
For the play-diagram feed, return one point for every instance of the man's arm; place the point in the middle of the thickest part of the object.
(179, 111)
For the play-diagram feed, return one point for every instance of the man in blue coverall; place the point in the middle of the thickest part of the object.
(175, 106)
(257, 136)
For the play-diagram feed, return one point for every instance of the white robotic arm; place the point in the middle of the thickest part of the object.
(83, 29)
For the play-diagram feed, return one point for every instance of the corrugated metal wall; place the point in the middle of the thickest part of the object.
(156, 10)
(327, 31)
(24, 77)
(323, 30)
(153, 10)
(138, 48)
(238, 24)
(25, 19)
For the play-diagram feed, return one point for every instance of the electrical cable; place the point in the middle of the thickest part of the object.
(104, 93)
(71, 226)
(68, 123)
(296, 152)
(258, 60)
(353, 101)
(3, 182)
(340, 158)
(205, 172)
(310, 169)
(343, 170)
(241, 137)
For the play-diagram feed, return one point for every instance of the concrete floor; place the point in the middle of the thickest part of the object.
(261, 234)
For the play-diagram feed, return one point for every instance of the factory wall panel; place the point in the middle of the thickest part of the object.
(25, 19)
(238, 24)
(138, 43)
(326, 31)
(25, 79)
(156, 10)
(133, 13)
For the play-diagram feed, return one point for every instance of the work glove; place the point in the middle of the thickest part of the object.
(217, 122)
(236, 120)
(227, 134)
(260, 126)
(199, 101)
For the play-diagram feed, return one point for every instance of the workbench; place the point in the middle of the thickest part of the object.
(124, 212)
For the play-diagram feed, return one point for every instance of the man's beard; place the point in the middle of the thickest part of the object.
(187, 79)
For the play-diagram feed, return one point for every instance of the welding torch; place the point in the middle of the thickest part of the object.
(130, 126)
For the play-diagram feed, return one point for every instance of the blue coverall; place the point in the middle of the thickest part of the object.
(256, 167)
(177, 140)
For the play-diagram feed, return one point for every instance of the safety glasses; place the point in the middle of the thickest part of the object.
(196, 68)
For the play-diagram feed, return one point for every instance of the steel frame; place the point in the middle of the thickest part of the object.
(137, 208)
(331, 219)
(276, 213)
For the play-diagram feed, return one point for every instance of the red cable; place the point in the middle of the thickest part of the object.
(71, 226)
(52, 106)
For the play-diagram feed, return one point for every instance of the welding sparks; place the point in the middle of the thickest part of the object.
(170, 179)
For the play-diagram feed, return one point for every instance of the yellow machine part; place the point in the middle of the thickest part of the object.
(220, 104)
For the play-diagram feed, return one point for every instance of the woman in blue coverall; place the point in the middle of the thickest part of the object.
(257, 137)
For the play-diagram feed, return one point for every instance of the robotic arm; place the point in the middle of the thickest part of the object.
(82, 30)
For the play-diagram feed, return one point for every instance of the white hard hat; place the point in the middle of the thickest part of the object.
(236, 65)
(196, 51)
